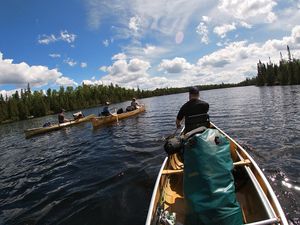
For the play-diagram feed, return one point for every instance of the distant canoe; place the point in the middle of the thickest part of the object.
(98, 121)
(255, 195)
(40, 130)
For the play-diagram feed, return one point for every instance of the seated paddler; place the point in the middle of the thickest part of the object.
(105, 110)
(134, 104)
(61, 117)
(194, 112)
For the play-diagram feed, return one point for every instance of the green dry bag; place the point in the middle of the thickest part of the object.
(208, 182)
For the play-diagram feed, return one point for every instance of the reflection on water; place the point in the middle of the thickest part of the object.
(81, 175)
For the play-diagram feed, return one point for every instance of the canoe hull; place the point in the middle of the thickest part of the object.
(41, 130)
(258, 201)
(101, 120)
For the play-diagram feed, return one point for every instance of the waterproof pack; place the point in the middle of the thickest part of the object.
(173, 145)
(209, 187)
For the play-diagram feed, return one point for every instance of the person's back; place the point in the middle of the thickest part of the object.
(105, 110)
(194, 111)
(61, 117)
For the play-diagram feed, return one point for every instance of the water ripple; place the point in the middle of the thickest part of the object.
(81, 175)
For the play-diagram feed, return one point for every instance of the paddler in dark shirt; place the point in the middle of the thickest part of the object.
(105, 110)
(61, 117)
(194, 112)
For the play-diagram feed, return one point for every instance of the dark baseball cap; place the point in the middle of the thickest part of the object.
(194, 90)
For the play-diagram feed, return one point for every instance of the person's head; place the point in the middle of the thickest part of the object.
(193, 93)
(62, 111)
(106, 103)
(134, 99)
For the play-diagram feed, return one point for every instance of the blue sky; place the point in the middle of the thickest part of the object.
(150, 44)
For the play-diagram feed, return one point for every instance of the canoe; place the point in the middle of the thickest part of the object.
(256, 197)
(101, 120)
(40, 130)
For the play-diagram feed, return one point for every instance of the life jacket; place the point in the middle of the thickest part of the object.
(61, 118)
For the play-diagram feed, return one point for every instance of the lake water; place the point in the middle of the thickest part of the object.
(104, 176)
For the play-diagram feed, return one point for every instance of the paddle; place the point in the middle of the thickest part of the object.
(116, 114)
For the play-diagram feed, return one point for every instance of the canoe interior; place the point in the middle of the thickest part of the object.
(252, 193)
(101, 120)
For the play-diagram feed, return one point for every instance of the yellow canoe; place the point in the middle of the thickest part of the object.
(98, 121)
(40, 130)
(256, 197)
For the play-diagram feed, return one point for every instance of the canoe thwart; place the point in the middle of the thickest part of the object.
(242, 163)
(239, 163)
(164, 172)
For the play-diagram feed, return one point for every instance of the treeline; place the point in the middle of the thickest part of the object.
(28, 104)
(286, 73)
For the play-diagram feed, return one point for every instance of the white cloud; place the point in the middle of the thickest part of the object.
(152, 51)
(134, 23)
(53, 55)
(129, 74)
(118, 67)
(62, 36)
(255, 11)
(231, 64)
(147, 53)
(225, 28)
(293, 41)
(70, 62)
(93, 82)
(46, 39)
(206, 19)
(176, 65)
(19, 74)
(9, 93)
(83, 65)
(103, 68)
(136, 65)
(105, 43)
(67, 37)
(203, 32)
(246, 25)
(166, 17)
(295, 37)
(65, 81)
(238, 60)
(119, 56)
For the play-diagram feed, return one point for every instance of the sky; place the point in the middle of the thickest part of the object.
(141, 43)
